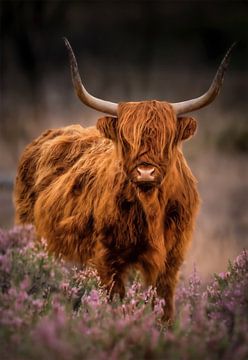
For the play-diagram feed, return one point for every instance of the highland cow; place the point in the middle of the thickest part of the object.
(119, 195)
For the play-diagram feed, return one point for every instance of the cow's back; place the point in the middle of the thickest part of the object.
(47, 157)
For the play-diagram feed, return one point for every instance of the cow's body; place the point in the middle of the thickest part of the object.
(72, 186)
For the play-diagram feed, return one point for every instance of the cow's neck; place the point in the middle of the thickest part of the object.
(152, 204)
(153, 207)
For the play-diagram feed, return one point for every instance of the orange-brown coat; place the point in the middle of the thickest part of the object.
(79, 187)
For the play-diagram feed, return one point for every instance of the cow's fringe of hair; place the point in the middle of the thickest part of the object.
(151, 119)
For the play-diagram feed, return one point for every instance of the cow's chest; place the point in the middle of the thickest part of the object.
(128, 234)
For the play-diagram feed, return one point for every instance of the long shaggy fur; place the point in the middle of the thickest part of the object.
(72, 184)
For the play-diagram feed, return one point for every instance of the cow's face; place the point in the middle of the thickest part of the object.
(147, 135)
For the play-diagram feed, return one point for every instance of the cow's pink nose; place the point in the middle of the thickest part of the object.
(145, 174)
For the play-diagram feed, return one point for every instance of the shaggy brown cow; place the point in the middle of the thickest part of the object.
(117, 195)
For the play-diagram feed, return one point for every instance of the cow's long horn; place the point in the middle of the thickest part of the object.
(197, 103)
(82, 93)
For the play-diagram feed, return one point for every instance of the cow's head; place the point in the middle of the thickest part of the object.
(147, 133)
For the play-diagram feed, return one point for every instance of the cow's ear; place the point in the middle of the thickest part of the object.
(107, 127)
(186, 127)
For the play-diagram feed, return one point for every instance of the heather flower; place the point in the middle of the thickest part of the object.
(64, 286)
(37, 304)
(5, 263)
(48, 333)
(158, 307)
(49, 309)
(223, 275)
(241, 261)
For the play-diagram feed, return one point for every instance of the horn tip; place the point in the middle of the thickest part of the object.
(234, 44)
(66, 41)
(72, 58)
(229, 51)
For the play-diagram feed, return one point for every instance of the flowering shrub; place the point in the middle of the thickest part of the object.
(50, 310)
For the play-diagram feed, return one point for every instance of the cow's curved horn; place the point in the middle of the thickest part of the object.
(82, 93)
(197, 103)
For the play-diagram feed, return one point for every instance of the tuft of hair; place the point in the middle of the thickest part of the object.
(150, 123)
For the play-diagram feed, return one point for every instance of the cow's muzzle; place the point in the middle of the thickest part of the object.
(146, 176)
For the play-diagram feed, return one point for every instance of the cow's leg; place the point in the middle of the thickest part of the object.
(167, 280)
(178, 231)
(166, 284)
(151, 265)
(111, 270)
(113, 281)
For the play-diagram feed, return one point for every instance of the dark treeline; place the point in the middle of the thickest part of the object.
(109, 37)
(118, 31)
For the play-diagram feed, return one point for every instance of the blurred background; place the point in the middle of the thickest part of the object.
(135, 50)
